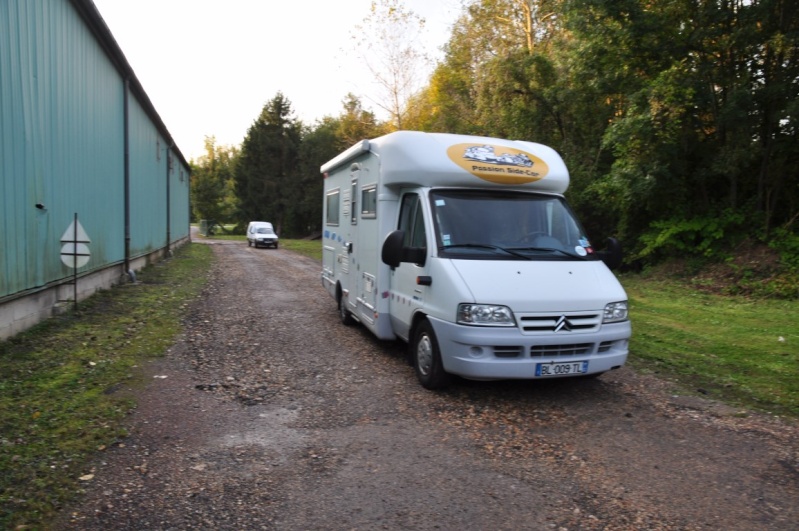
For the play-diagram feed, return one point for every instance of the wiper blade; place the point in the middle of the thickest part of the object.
(547, 249)
(511, 252)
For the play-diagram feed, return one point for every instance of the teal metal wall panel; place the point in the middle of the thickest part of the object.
(62, 138)
(62, 147)
(151, 155)
(180, 215)
(147, 183)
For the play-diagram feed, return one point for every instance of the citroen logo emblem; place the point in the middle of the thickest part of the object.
(563, 324)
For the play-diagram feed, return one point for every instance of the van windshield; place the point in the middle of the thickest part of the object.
(491, 225)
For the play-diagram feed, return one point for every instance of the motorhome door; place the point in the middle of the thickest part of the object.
(406, 295)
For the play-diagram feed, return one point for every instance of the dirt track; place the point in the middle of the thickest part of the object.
(270, 414)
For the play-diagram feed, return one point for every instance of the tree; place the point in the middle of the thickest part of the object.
(212, 185)
(498, 76)
(702, 136)
(388, 43)
(322, 142)
(319, 144)
(267, 171)
(355, 123)
(447, 103)
(677, 119)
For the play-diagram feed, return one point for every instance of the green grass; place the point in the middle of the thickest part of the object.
(744, 351)
(311, 248)
(232, 237)
(58, 383)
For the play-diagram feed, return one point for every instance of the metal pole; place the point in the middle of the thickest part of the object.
(75, 261)
(126, 172)
(168, 200)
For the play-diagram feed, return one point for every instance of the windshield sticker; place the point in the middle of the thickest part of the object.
(498, 164)
(580, 251)
(440, 202)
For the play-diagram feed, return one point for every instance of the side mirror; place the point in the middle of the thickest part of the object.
(394, 253)
(612, 256)
(391, 254)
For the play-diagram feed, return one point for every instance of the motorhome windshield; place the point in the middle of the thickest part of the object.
(480, 224)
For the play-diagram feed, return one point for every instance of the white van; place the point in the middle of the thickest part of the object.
(465, 248)
(261, 233)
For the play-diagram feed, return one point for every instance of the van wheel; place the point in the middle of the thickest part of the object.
(427, 358)
(275, 245)
(344, 314)
(249, 243)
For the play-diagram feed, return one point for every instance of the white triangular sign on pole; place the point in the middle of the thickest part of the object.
(72, 235)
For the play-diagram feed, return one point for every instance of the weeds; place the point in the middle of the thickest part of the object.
(59, 403)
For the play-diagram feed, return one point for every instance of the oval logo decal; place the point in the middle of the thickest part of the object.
(498, 164)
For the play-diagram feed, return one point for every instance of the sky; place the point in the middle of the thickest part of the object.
(210, 66)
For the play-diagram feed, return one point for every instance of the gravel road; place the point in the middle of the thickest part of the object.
(268, 413)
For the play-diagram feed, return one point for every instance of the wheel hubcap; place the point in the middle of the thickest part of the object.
(424, 355)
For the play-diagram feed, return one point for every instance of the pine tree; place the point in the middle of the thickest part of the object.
(267, 173)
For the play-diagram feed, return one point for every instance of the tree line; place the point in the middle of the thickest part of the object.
(677, 119)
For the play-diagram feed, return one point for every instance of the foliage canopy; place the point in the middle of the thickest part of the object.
(676, 119)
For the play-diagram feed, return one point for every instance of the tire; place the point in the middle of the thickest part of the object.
(275, 245)
(343, 313)
(249, 243)
(427, 358)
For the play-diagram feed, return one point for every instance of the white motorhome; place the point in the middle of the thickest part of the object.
(465, 248)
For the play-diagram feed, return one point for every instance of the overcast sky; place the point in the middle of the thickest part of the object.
(210, 66)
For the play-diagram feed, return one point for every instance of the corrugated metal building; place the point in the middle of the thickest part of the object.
(78, 137)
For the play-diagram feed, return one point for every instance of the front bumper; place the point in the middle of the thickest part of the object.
(488, 353)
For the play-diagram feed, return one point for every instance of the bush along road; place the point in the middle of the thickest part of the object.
(268, 413)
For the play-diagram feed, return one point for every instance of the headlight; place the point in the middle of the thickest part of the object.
(615, 312)
(485, 315)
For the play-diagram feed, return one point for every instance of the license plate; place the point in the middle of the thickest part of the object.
(561, 369)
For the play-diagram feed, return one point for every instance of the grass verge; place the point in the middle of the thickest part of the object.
(58, 382)
(741, 350)
(311, 248)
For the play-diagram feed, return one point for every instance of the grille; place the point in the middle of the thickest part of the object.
(578, 349)
(507, 352)
(560, 323)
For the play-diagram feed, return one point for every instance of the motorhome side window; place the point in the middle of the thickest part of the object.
(332, 206)
(369, 201)
(412, 221)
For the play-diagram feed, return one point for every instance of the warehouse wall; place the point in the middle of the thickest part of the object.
(71, 109)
